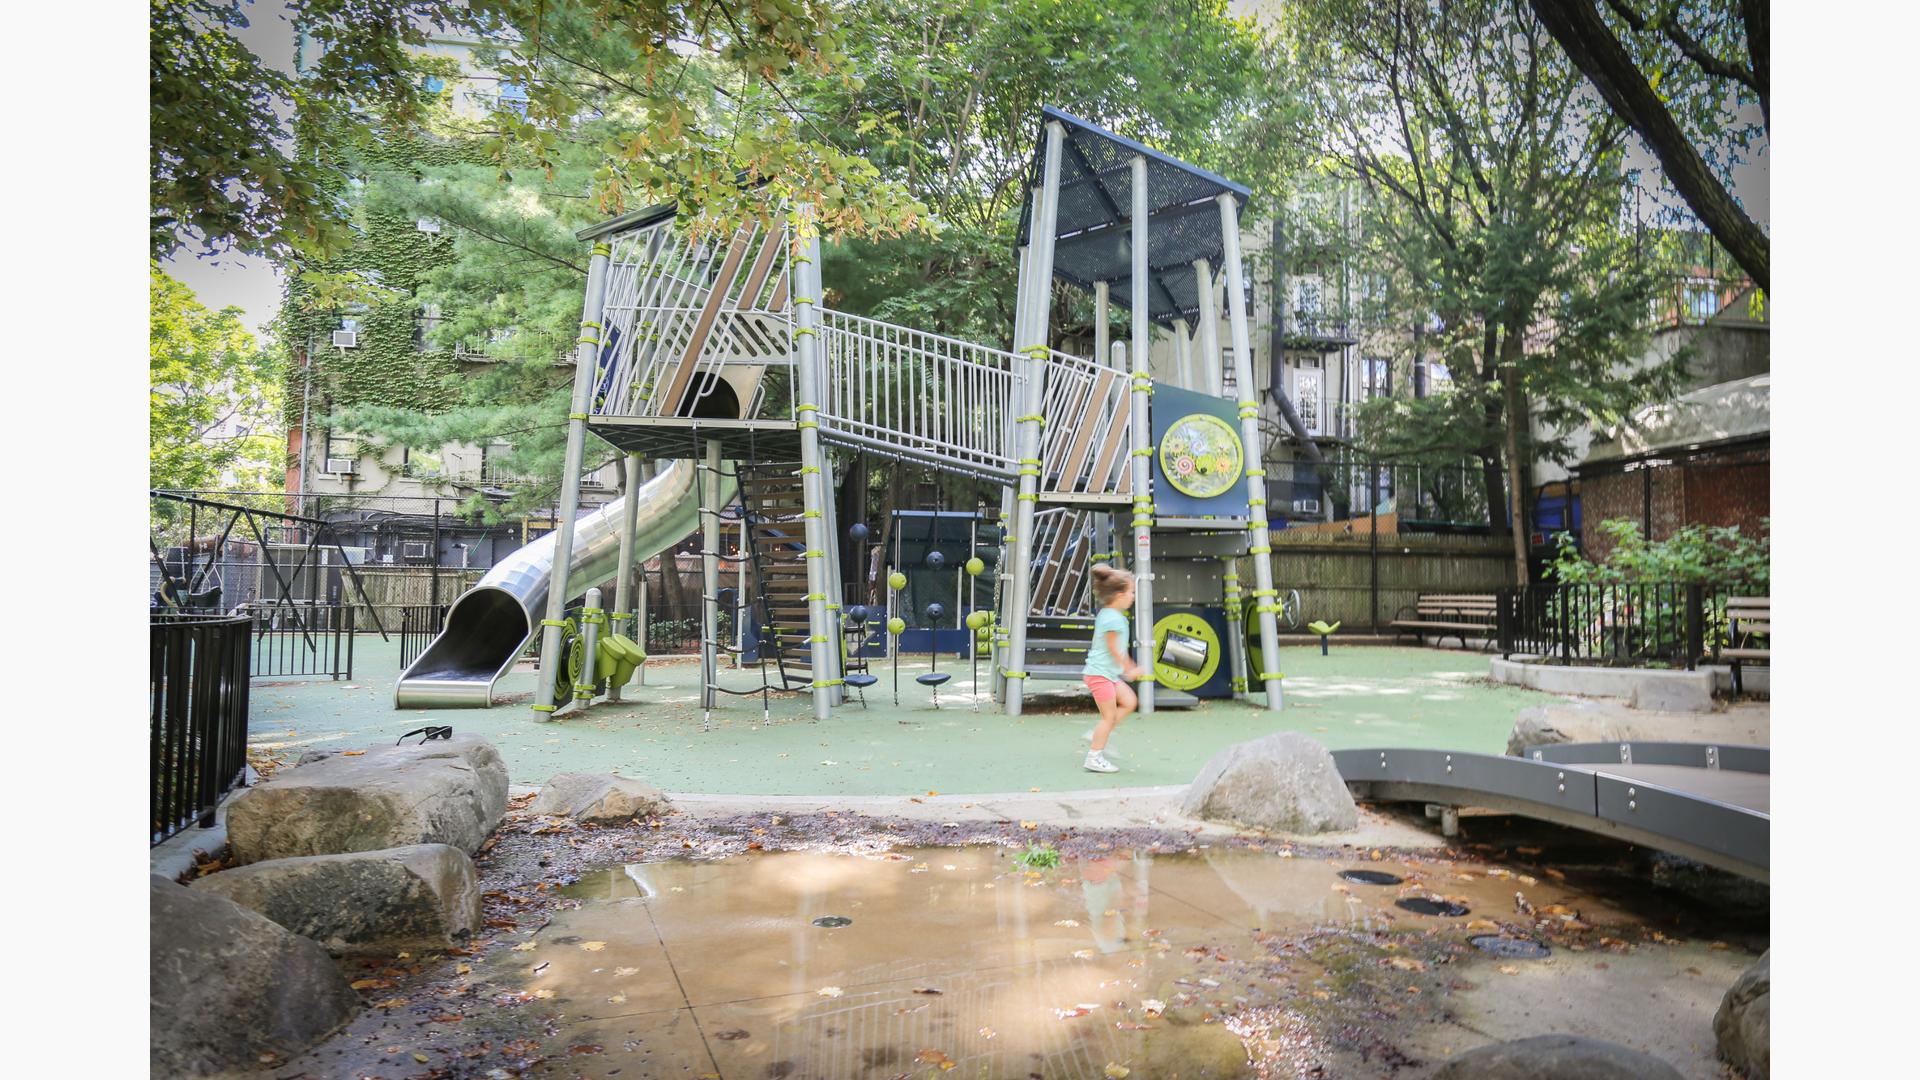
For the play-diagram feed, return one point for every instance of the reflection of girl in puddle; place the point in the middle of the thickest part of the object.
(1104, 885)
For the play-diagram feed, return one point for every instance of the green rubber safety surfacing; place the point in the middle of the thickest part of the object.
(1183, 622)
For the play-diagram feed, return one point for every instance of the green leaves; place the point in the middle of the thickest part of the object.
(211, 394)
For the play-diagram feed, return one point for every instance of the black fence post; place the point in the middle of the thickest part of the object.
(1503, 620)
(1373, 545)
(1695, 645)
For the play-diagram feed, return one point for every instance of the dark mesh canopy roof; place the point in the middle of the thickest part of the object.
(1096, 206)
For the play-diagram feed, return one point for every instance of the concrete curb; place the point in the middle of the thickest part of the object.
(1644, 688)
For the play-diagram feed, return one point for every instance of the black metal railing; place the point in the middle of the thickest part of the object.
(1668, 623)
(198, 729)
(303, 639)
(419, 625)
(674, 629)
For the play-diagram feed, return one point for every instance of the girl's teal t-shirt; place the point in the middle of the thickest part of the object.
(1099, 659)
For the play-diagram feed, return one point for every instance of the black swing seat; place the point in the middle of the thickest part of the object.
(932, 678)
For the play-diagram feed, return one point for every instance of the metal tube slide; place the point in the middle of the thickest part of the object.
(492, 622)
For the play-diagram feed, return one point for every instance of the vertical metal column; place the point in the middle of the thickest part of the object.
(587, 351)
(1102, 333)
(1209, 332)
(1184, 375)
(1028, 424)
(709, 579)
(620, 622)
(836, 591)
(1264, 595)
(806, 410)
(1140, 440)
(1002, 593)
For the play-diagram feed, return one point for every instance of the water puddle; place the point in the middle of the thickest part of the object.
(934, 960)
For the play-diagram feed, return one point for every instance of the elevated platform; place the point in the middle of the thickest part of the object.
(669, 437)
(1709, 803)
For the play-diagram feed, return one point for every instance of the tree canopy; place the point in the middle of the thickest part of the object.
(205, 370)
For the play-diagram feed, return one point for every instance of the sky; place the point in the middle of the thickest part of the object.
(254, 285)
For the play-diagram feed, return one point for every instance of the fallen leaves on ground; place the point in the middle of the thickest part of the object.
(830, 991)
(1067, 922)
(593, 946)
(351, 753)
(526, 946)
(1117, 1072)
(935, 1057)
(1153, 1006)
(371, 984)
(1507, 969)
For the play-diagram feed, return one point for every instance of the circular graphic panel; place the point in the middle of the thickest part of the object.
(1201, 456)
(1191, 626)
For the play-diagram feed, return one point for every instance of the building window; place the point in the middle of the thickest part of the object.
(1306, 394)
(433, 84)
(513, 98)
(1229, 384)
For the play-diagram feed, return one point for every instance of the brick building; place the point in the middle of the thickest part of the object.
(1701, 459)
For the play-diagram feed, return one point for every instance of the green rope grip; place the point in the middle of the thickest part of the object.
(584, 324)
(818, 637)
(1266, 592)
(1231, 575)
(1148, 452)
(1036, 350)
(577, 416)
(1014, 674)
(618, 615)
(1258, 608)
(1256, 502)
(833, 607)
(1256, 472)
(809, 513)
(1249, 414)
(554, 622)
(1025, 471)
(815, 554)
(586, 341)
(806, 408)
(1271, 676)
(822, 683)
(1098, 557)
(805, 469)
(806, 424)
(812, 596)
(603, 248)
(1239, 685)
(1035, 417)
(1028, 497)
(1029, 461)
(1254, 404)
(806, 331)
(544, 708)
(1147, 521)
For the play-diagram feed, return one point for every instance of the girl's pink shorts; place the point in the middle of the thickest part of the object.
(1101, 686)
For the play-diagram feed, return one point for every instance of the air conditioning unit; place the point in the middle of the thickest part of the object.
(427, 225)
(1306, 506)
(341, 466)
(346, 339)
(413, 549)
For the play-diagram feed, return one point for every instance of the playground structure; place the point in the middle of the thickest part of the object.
(714, 353)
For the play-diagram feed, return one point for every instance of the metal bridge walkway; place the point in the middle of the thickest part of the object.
(1705, 802)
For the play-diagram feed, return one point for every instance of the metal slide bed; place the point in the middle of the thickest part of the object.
(1705, 802)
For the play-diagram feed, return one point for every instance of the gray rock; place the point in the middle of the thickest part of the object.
(423, 896)
(601, 797)
(1741, 1024)
(444, 792)
(1285, 782)
(229, 988)
(1556, 1057)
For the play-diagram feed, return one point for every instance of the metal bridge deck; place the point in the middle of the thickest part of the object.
(1709, 803)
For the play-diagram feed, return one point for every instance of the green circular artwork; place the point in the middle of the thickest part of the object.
(1201, 456)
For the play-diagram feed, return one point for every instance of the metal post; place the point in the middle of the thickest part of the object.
(1373, 546)
(591, 617)
(1264, 595)
(1140, 440)
(433, 587)
(740, 607)
(1027, 425)
(806, 339)
(1002, 591)
(1102, 333)
(1185, 375)
(836, 591)
(709, 578)
(583, 371)
(622, 618)
(1209, 332)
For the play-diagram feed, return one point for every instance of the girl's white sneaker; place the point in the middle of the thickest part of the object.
(1097, 762)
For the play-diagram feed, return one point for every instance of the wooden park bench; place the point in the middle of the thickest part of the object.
(1748, 617)
(1443, 614)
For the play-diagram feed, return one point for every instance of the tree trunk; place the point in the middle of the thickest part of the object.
(1516, 486)
(1590, 43)
(1495, 489)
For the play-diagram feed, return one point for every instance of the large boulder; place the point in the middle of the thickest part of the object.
(1741, 1024)
(451, 791)
(607, 798)
(1284, 782)
(232, 990)
(1556, 1057)
(424, 896)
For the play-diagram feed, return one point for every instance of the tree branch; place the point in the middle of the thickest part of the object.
(1577, 26)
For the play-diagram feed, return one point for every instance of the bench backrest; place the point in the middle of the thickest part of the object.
(1749, 614)
(1466, 604)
